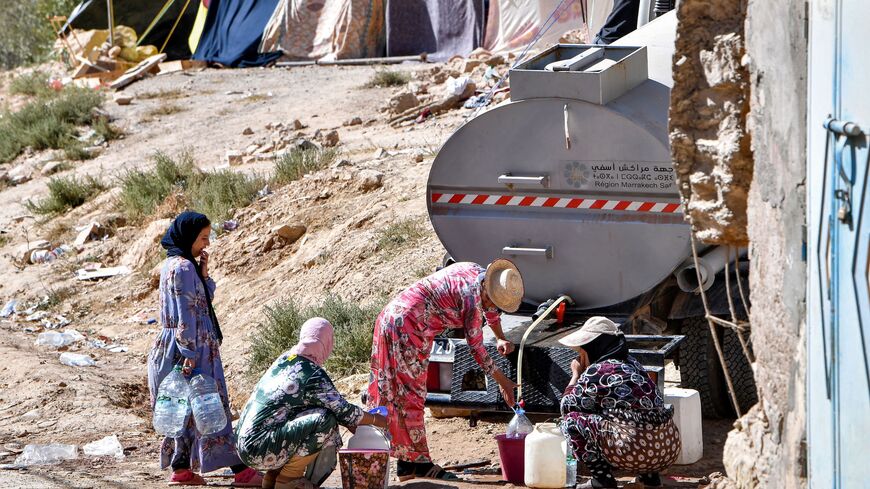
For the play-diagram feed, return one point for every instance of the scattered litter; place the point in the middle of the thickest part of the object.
(455, 87)
(87, 233)
(76, 360)
(105, 345)
(8, 309)
(476, 101)
(424, 114)
(105, 447)
(54, 338)
(48, 256)
(230, 225)
(84, 274)
(263, 192)
(46, 454)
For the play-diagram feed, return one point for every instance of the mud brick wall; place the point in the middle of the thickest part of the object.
(710, 146)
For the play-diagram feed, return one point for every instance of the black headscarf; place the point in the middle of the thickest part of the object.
(606, 347)
(178, 241)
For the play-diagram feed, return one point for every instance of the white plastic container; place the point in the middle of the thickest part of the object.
(368, 437)
(687, 417)
(545, 453)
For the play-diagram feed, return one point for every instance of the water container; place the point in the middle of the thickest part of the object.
(171, 409)
(520, 425)
(545, 457)
(208, 408)
(368, 437)
(571, 470)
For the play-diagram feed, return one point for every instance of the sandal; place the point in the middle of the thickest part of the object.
(186, 477)
(418, 470)
(248, 478)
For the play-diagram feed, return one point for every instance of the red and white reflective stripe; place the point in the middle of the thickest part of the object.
(563, 203)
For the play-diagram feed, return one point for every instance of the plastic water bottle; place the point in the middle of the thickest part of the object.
(520, 426)
(208, 409)
(171, 409)
(570, 468)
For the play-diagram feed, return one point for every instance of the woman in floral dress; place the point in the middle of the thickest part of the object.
(290, 423)
(461, 296)
(191, 337)
(613, 412)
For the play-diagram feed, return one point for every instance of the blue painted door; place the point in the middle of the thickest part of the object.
(838, 239)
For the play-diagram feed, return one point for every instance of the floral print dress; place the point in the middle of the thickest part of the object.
(187, 333)
(295, 410)
(404, 331)
(615, 416)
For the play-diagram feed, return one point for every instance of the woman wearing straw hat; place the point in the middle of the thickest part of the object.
(612, 412)
(461, 296)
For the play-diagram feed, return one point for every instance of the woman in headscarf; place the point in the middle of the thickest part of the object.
(613, 412)
(290, 424)
(461, 296)
(191, 337)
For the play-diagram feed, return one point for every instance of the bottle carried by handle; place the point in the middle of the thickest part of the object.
(208, 408)
(172, 408)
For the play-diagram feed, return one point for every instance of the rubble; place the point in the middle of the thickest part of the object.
(51, 168)
(330, 139)
(123, 99)
(298, 125)
(403, 101)
(470, 64)
(234, 158)
(356, 121)
(290, 233)
(369, 179)
(247, 131)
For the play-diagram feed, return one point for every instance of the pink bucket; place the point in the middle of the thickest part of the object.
(364, 469)
(512, 453)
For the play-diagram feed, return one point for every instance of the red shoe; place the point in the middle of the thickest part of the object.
(248, 478)
(186, 477)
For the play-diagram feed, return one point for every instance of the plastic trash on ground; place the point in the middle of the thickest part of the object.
(55, 338)
(8, 309)
(46, 454)
(455, 87)
(76, 360)
(105, 447)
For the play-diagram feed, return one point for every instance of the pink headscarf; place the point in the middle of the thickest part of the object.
(315, 340)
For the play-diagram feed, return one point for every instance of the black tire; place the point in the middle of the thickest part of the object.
(700, 369)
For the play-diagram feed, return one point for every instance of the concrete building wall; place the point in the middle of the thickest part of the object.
(715, 164)
(768, 448)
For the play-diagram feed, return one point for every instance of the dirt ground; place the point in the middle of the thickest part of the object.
(43, 401)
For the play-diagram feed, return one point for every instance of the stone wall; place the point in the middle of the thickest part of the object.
(709, 102)
(715, 71)
(768, 448)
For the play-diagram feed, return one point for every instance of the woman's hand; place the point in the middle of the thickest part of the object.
(504, 347)
(188, 366)
(506, 386)
(203, 263)
(578, 367)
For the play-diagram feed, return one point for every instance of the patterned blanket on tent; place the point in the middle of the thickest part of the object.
(331, 29)
(441, 28)
(512, 24)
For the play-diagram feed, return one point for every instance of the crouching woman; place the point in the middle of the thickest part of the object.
(612, 412)
(289, 426)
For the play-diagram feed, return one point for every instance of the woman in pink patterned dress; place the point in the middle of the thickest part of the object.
(461, 296)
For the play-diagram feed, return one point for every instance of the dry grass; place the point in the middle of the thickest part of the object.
(165, 94)
(162, 110)
(382, 79)
(293, 165)
(400, 233)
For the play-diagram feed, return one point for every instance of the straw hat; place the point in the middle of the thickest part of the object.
(592, 328)
(504, 285)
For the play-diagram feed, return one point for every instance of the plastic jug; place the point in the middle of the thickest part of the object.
(368, 437)
(545, 457)
(519, 425)
(171, 408)
(208, 409)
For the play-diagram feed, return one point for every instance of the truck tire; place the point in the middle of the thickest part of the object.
(700, 369)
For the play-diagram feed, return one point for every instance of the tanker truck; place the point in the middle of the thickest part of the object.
(572, 180)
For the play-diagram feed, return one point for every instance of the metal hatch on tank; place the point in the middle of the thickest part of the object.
(571, 180)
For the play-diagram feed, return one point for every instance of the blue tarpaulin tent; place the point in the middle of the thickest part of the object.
(233, 31)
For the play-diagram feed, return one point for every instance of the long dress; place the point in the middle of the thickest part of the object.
(187, 333)
(404, 331)
(615, 416)
(294, 411)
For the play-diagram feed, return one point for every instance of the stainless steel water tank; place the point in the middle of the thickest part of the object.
(577, 189)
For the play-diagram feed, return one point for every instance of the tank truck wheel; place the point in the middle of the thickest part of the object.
(741, 370)
(700, 370)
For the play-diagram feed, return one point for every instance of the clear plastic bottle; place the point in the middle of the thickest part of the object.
(208, 409)
(520, 426)
(570, 469)
(172, 407)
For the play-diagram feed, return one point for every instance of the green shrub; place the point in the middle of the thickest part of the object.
(215, 193)
(143, 190)
(398, 233)
(49, 123)
(353, 323)
(383, 79)
(293, 165)
(25, 33)
(33, 84)
(65, 194)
